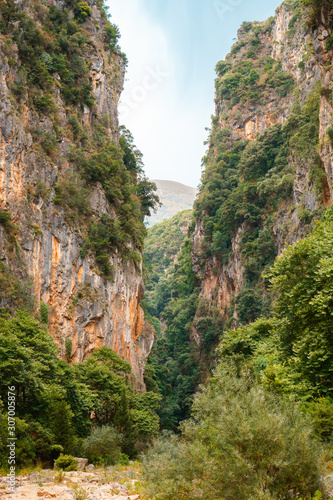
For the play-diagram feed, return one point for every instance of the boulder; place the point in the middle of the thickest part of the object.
(81, 463)
(90, 468)
(119, 489)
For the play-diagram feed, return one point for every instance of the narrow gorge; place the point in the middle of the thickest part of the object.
(194, 358)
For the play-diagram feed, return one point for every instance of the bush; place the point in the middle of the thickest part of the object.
(111, 36)
(82, 11)
(44, 104)
(240, 443)
(49, 143)
(65, 462)
(44, 313)
(71, 192)
(104, 442)
(124, 459)
(68, 348)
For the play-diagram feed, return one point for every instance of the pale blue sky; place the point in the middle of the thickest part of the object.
(168, 99)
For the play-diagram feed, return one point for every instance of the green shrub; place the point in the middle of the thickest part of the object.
(14, 292)
(72, 193)
(240, 443)
(321, 411)
(111, 36)
(5, 218)
(124, 459)
(82, 11)
(26, 446)
(66, 462)
(44, 104)
(104, 442)
(68, 348)
(49, 142)
(19, 89)
(44, 313)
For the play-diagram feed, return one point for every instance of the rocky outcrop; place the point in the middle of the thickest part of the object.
(84, 307)
(92, 485)
(220, 282)
(324, 60)
(301, 54)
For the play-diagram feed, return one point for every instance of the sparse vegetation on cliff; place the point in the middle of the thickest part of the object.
(52, 49)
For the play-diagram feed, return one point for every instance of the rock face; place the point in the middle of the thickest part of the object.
(324, 58)
(84, 306)
(285, 39)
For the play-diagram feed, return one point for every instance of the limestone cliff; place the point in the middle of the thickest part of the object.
(85, 306)
(276, 71)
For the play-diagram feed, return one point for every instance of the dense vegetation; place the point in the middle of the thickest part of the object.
(177, 363)
(58, 404)
(245, 184)
(49, 51)
(174, 364)
(241, 442)
(292, 350)
(258, 427)
(162, 246)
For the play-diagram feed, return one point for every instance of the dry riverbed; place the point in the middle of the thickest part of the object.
(114, 483)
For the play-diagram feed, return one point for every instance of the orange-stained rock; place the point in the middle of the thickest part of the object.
(87, 308)
(303, 55)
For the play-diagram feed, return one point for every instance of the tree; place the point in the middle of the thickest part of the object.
(241, 442)
(146, 193)
(104, 442)
(302, 278)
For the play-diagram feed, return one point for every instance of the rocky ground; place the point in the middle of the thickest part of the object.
(114, 483)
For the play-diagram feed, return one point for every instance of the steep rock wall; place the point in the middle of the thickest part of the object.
(288, 39)
(84, 306)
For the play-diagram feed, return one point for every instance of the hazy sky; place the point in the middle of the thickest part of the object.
(173, 47)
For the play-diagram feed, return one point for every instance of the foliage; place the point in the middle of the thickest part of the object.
(292, 351)
(68, 348)
(119, 170)
(56, 400)
(104, 442)
(241, 442)
(111, 36)
(301, 277)
(44, 313)
(314, 7)
(15, 293)
(82, 11)
(115, 402)
(247, 83)
(72, 193)
(104, 238)
(242, 188)
(162, 246)
(66, 462)
(174, 361)
(26, 447)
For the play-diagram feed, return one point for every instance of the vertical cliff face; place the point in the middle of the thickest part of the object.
(45, 238)
(262, 167)
(322, 33)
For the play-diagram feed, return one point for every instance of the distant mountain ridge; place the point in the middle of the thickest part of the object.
(175, 197)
